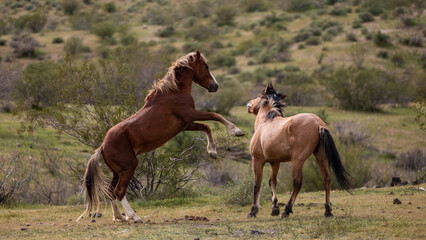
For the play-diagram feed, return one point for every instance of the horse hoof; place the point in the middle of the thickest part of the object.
(275, 211)
(285, 215)
(251, 215)
(213, 155)
(239, 133)
(137, 221)
(328, 214)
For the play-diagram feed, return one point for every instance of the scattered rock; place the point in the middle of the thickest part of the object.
(196, 238)
(418, 207)
(383, 211)
(53, 224)
(123, 214)
(300, 204)
(376, 186)
(195, 218)
(70, 228)
(70, 220)
(255, 232)
(312, 204)
(409, 203)
(93, 220)
(410, 211)
(364, 187)
(99, 215)
(421, 189)
(396, 201)
(28, 225)
(395, 181)
(391, 193)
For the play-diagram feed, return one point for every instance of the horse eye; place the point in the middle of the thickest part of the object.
(207, 67)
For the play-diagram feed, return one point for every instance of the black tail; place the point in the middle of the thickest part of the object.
(334, 161)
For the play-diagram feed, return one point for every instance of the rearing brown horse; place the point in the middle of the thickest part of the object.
(169, 109)
(279, 139)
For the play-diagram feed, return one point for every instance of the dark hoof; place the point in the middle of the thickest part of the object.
(251, 215)
(213, 155)
(285, 215)
(328, 214)
(275, 211)
(239, 133)
(137, 221)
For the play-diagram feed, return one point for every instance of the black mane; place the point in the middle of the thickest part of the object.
(274, 97)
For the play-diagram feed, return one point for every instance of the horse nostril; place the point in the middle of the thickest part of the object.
(213, 87)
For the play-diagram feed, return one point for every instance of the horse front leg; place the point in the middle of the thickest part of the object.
(211, 145)
(204, 116)
(258, 171)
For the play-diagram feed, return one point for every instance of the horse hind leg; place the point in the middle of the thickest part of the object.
(120, 191)
(273, 184)
(296, 171)
(115, 210)
(326, 180)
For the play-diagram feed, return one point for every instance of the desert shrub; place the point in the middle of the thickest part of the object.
(110, 7)
(300, 5)
(157, 15)
(366, 17)
(382, 54)
(419, 107)
(357, 53)
(301, 46)
(128, 39)
(3, 42)
(253, 5)
(4, 28)
(411, 160)
(360, 88)
(191, 46)
(13, 177)
(224, 14)
(299, 88)
(197, 8)
(338, 11)
(33, 89)
(397, 60)
(364, 31)
(241, 193)
(356, 23)
(24, 45)
(9, 73)
(70, 6)
(313, 40)
(81, 21)
(408, 21)
(223, 59)
(57, 40)
(36, 22)
(381, 39)
(373, 7)
(200, 32)
(104, 29)
(73, 45)
(351, 132)
(414, 41)
(350, 36)
(301, 36)
(165, 32)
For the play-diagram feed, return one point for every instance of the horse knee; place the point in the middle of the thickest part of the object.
(297, 183)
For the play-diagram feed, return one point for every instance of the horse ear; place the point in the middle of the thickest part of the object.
(269, 88)
(198, 54)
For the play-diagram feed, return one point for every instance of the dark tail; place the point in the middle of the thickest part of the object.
(333, 157)
(94, 183)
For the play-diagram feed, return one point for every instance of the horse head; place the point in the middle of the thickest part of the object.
(269, 96)
(202, 74)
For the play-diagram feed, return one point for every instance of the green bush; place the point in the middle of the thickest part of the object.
(300, 5)
(414, 41)
(224, 14)
(32, 89)
(361, 88)
(366, 17)
(253, 5)
(382, 54)
(338, 11)
(241, 193)
(200, 32)
(70, 6)
(356, 24)
(408, 21)
(382, 40)
(36, 22)
(313, 41)
(110, 7)
(73, 45)
(104, 29)
(350, 36)
(165, 32)
(397, 60)
(128, 39)
(222, 59)
(57, 40)
(364, 31)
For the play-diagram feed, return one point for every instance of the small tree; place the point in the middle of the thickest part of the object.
(104, 29)
(73, 45)
(24, 45)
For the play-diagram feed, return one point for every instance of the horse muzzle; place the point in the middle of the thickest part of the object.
(213, 87)
(248, 107)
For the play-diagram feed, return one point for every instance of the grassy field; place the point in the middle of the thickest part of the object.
(367, 214)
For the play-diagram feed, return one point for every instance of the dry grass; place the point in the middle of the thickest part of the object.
(368, 214)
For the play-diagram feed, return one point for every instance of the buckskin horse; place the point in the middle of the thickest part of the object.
(279, 139)
(169, 109)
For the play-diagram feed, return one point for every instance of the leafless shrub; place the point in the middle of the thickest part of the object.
(350, 132)
(11, 176)
(24, 45)
(357, 52)
(411, 160)
(9, 73)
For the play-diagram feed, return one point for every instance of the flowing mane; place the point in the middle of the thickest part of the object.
(274, 101)
(169, 82)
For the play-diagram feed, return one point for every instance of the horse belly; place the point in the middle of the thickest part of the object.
(275, 146)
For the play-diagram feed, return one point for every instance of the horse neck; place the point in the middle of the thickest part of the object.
(184, 80)
(260, 118)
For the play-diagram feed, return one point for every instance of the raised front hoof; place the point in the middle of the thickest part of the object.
(137, 221)
(213, 155)
(275, 211)
(239, 133)
(251, 215)
(328, 214)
